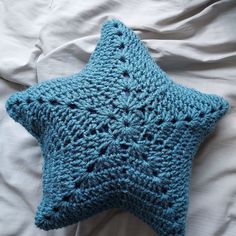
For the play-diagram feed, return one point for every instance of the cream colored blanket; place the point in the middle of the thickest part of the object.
(194, 41)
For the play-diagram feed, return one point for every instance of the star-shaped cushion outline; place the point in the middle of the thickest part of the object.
(119, 134)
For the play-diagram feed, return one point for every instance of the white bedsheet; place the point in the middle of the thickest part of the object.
(194, 41)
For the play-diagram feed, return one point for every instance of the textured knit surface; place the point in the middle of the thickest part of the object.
(119, 134)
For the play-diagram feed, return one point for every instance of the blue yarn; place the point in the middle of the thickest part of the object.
(119, 134)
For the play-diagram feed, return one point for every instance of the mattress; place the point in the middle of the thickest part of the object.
(194, 41)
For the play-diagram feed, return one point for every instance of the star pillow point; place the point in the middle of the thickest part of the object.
(119, 134)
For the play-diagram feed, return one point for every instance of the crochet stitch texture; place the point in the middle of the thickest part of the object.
(119, 134)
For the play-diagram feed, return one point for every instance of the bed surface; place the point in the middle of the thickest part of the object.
(194, 41)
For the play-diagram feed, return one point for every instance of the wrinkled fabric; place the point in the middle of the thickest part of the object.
(194, 41)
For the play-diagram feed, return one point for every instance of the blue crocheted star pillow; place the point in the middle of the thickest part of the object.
(119, 134)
